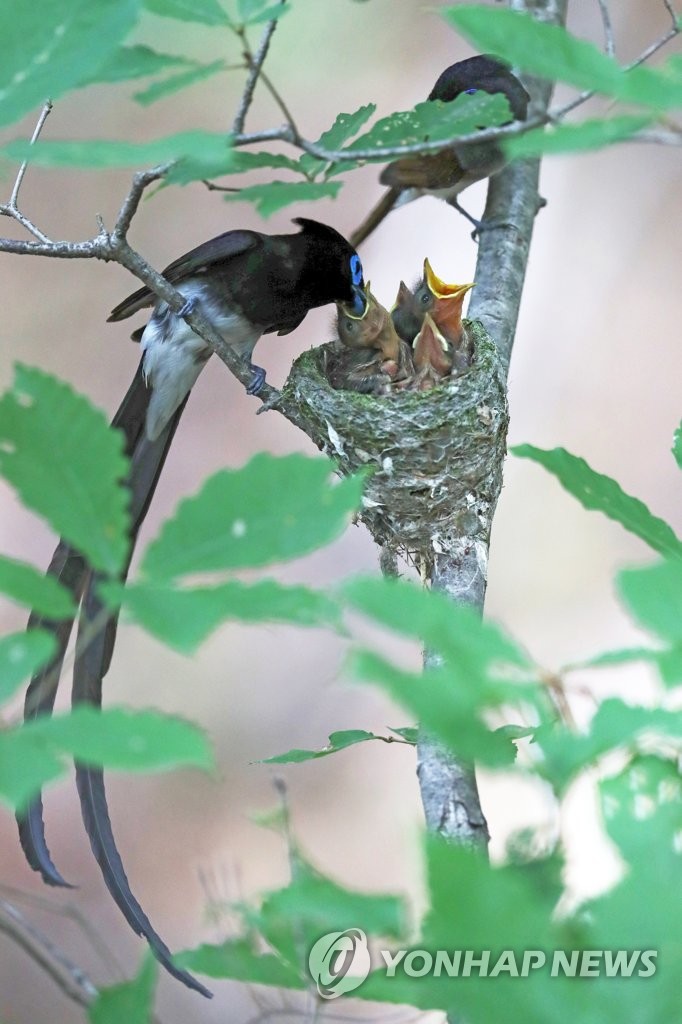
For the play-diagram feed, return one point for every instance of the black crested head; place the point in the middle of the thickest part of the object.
(483, 72)
(333, 268)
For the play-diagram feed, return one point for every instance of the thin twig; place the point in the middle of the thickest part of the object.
(256, 64)
(44, 114)
(72, 913)
(11, 208)
(68, 976)
(609, 44)
(560, 112)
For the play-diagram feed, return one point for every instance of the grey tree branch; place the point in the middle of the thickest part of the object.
(68, 976)
(448, 785)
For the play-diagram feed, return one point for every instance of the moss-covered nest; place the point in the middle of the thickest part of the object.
(435, 455)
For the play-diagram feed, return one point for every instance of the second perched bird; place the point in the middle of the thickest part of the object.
(449, 171)
(247, 284)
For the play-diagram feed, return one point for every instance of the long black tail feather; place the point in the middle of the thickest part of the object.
(71, 570)
(92, 663)
(375, 217)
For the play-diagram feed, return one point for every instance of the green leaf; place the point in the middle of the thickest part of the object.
(433, 121)
(123, 740)
(654, 596)
(449, 703)
(157, 90)
(677, 446)
(313, 904)
(454, 631)
(601, 493)
(613, 659)
(551, 52)
(236, 959)
(615, 725)
(205, 150)
(66, 463)
(229, 161)
(208, 12)
(251, 12)
(33, 589)
(337, 741)
(270, 198)
(49, 48)
(183, 619)
(573, 138)
(129, 62)
(271, 510)
(129, 1001)
(21, 655)
(345, 127)
(26, 765)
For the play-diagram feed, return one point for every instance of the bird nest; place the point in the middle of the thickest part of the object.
(434, 456)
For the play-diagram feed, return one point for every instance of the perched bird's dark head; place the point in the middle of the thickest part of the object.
(486, 73)
(334, 269)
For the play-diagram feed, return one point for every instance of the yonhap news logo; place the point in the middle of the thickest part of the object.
(334, 957)
(340, 962)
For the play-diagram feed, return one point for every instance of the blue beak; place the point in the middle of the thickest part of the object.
(359, 302)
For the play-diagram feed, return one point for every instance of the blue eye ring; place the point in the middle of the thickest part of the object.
(356, 269)
(470, 92)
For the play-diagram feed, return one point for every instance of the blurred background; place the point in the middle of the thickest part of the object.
(596, 368)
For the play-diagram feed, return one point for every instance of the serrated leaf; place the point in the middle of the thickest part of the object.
(123, 740)
(66, 464)
(157, 90)
(409, 733)
(183, 619)
(204, 149)
(25, 767)
(129, 62)
(230, 161)
(236, 959)
(344, 128)
(21, 655)
(274, 196)
(654, 596)
(207, 12)
(598, 492)
(449, 704)
(253, 12)
(337, 741)
(316, 904)
(271, 510)
(615, 725)
(433, 121)
(33, 589)
(612, 659)
(49, 48)
(677, 446)
(574, 138)
(129, 1001)
(454, 631)
(551, 52)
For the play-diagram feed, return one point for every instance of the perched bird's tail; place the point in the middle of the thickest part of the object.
(375, 217)
(94, 649)
(71, 570)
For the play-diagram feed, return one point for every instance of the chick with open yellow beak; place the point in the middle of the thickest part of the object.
(371, 356)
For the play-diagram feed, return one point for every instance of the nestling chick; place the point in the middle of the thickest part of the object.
(371, 357)
(432, 356)
(444, 304)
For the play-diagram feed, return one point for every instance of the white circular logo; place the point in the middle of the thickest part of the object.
(331, 959)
